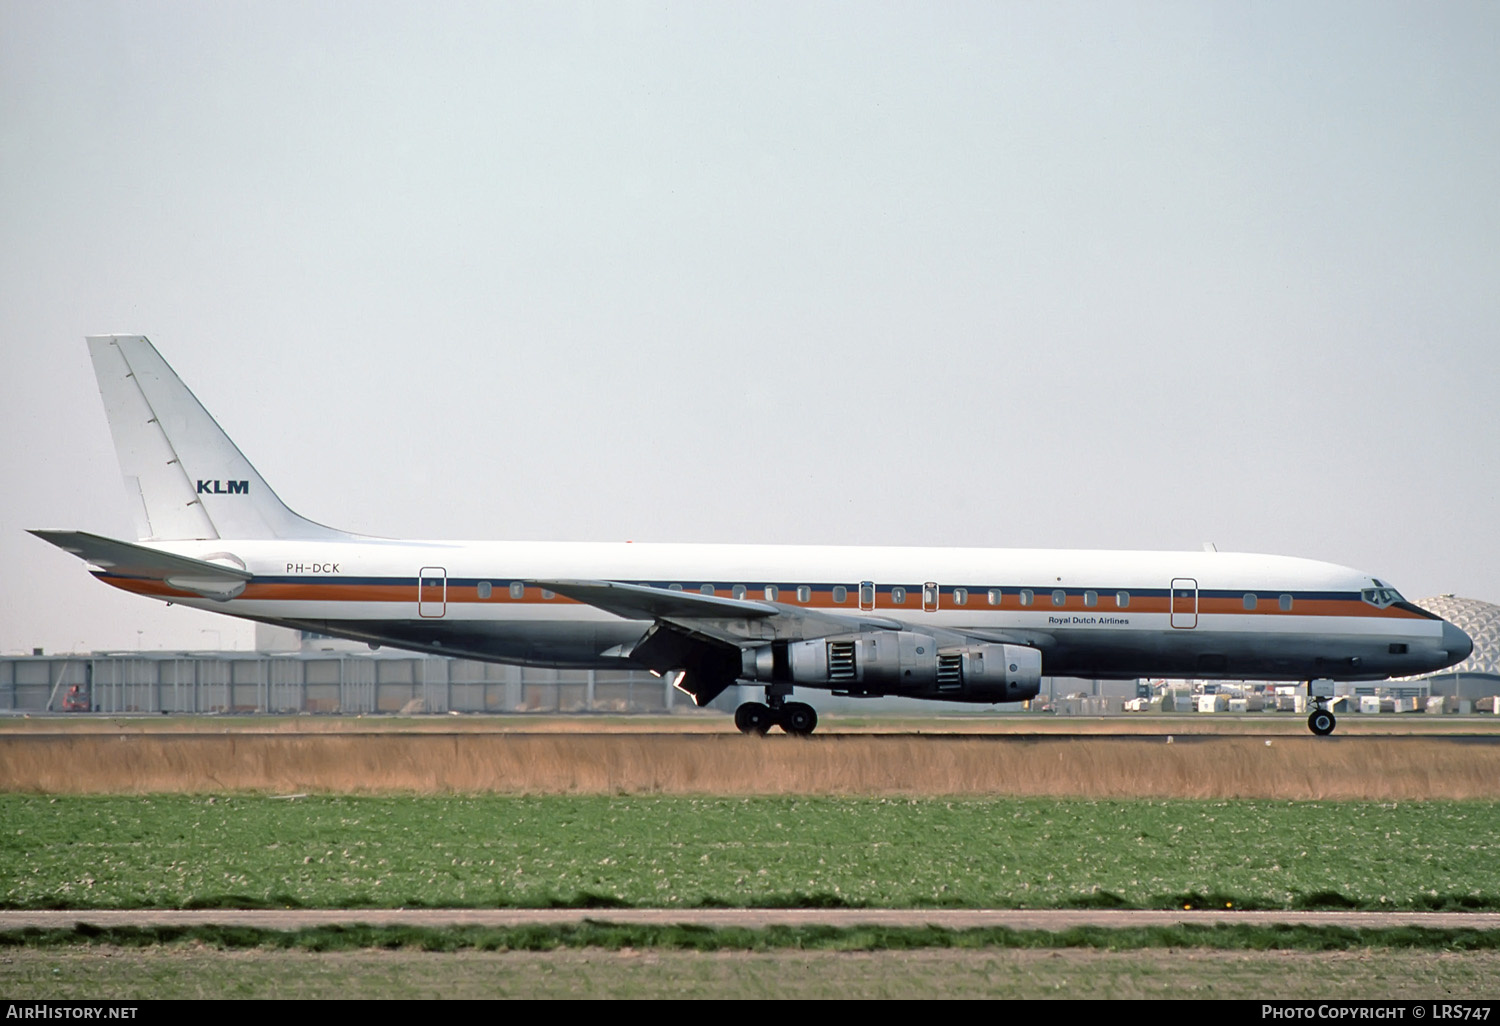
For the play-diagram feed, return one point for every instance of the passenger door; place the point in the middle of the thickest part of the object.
(1184, 603)
(432, 591)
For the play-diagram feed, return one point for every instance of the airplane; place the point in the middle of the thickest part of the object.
(953, 624)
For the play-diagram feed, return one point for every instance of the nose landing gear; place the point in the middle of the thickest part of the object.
(797, 718)
(1321, 722)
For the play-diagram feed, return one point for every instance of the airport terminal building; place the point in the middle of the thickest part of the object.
(288, 674)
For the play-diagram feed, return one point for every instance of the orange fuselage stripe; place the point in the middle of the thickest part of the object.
(333, 591)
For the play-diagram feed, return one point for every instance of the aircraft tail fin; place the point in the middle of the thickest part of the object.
(184, 478)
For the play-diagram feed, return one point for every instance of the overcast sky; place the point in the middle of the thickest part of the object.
(1104, 275)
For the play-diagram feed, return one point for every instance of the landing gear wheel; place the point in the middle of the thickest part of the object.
(799, 718)
(753, 718)
(1321, 722)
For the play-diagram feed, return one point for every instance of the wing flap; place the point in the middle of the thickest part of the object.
(709, 666)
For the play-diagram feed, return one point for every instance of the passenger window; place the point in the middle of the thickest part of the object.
(1091, 599)
(1250, 600)
(517, 590)
(995, 595)
(866, 595)
(738, 591)
(706, 589)
(771, 592)
(840, 594)
(1059, 597)
(1122, 600)
(548, 595)
(898, 596)
(804, 593)
(960, 596)
(1026, 596)
(484, 589)
(1286, 603)
(674, 587)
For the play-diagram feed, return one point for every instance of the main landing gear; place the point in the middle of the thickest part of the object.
(1320, 721)
(797, 718)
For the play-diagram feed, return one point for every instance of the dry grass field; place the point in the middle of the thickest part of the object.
(698, 755)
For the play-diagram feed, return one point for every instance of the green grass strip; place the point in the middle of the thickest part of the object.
(597, 852)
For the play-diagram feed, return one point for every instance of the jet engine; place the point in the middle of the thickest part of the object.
(902, 663)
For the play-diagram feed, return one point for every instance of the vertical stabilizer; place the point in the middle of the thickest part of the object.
(183, 476)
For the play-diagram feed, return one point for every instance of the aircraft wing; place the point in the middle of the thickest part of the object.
(126, 559)
(639, 602)
(734, 621)
(703, 635)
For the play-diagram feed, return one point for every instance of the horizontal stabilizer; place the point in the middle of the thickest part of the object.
(125, 559)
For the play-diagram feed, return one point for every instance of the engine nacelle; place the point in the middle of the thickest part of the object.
(901, 662)
(996, 673)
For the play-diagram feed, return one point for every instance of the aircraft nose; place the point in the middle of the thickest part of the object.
(1458, 644)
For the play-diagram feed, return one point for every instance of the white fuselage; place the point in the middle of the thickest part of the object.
(1091, 613)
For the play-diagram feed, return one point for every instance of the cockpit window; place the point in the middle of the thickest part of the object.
(1381, 597)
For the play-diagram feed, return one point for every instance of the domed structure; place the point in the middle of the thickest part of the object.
(1478, 675)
